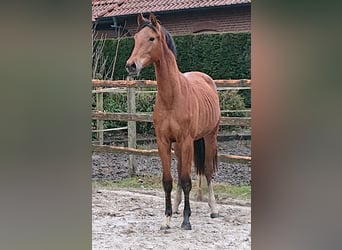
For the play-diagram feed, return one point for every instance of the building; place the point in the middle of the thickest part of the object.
(114, 18)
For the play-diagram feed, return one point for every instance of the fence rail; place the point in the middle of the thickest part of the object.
(154, 152)
(147, 117)
(103, 86)
(150, 83)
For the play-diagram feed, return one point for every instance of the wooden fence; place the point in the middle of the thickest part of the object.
(103, 86)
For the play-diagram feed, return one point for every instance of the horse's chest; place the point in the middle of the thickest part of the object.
(169, 124)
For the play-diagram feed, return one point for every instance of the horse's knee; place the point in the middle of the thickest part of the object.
(186, 184)
(167, 184)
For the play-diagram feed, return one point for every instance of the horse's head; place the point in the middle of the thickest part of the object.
(147, 44)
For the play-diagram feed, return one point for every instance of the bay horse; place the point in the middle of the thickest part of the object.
(186, 113)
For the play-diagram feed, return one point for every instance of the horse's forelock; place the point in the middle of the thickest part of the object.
(144, 24)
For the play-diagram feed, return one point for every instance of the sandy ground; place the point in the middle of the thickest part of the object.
(131, 219)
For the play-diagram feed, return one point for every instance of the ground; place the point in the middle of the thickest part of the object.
(107, 166)
(131, 219)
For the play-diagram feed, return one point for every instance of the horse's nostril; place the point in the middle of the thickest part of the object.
(131, 67)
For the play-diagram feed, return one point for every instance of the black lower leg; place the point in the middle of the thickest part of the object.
(167, 184)
(186, 186)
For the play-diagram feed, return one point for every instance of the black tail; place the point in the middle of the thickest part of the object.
(199, 155)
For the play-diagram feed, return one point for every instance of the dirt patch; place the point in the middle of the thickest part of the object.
(131, 219)
(108, 166)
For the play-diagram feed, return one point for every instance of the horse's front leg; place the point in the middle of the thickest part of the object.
(164, 148)
(187, 152)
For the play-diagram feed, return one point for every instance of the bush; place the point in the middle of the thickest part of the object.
(117, 103)
(114, 103)
(145, 103)
(231, 100)
(222, 56)
(246, 95)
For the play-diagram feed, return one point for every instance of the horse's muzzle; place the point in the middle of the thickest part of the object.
(131, 68)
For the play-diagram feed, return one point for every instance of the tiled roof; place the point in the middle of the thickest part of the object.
(106, 8)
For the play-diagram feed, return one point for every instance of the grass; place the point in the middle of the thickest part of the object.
(154, 182)
(228, 190)
(147, 181)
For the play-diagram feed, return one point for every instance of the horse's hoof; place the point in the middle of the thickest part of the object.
(186, 226)
(165, 227)
(214, 215)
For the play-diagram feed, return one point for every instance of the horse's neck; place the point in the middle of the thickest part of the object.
(168, 80)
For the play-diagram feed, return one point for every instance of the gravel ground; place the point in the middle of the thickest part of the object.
(131, 219)
(109, 166)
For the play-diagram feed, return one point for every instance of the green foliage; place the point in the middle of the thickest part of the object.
(222, 56)
(145, 103)
(114, 103)
(227, 190)
(145, 181)
(117, 103)
(246, 95)
(231, 100)
(222, 190)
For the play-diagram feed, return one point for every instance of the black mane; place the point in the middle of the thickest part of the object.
(169, 40)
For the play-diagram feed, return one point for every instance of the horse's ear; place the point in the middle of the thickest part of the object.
(153, 20)
(140, 19)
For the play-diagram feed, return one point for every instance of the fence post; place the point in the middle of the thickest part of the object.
(99, 123)
(131, 127)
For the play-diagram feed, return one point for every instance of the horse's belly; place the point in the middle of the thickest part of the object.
(196, 123)
(207, 122)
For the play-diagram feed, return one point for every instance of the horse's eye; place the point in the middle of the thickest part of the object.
(151, 39)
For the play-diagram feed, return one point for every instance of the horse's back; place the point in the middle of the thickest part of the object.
(200, 78)
(203, 86)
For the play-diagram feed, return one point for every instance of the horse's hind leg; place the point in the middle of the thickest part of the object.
(187, 153)
(210, 165)
(211, 200)
(199, 196)
(178, 198)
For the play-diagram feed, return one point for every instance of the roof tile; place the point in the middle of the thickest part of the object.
(104, 8)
